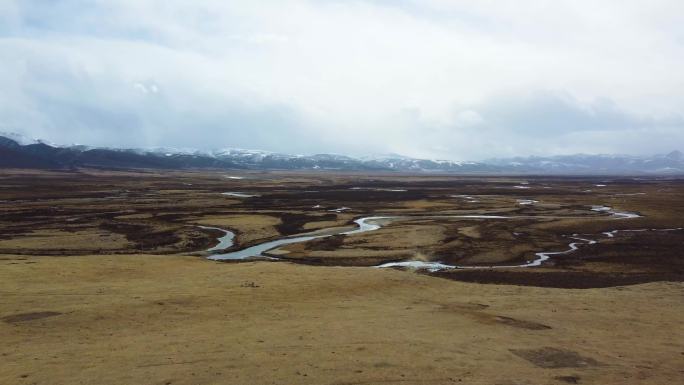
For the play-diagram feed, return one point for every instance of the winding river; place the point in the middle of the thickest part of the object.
(372, 223)
(225, 241)
(365, 224)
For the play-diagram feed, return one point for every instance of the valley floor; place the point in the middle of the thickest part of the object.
(104, 279)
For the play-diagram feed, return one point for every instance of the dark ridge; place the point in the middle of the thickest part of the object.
(561, 280)
(44, 156)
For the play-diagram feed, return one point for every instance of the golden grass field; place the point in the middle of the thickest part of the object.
(103, 280)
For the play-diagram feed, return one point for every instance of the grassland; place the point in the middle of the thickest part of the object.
(103, 280)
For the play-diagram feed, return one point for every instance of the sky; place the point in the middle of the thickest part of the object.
(439, 79)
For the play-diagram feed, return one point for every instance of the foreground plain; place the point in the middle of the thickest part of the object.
(180, 320)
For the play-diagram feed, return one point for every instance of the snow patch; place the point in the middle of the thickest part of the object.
(240, 195)
(339, 210)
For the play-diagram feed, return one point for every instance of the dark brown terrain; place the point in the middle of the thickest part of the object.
(99, 212)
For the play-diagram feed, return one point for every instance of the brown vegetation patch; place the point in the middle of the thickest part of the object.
(475, 310)
(556, 279)
(23, 317)
(554, 358)
(331, 243)
(293, 223)
(521, 323)
(568, 379)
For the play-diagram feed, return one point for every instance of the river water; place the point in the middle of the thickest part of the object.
(373, 223)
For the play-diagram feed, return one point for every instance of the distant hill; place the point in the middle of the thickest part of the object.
(16, 153)
(672, 163)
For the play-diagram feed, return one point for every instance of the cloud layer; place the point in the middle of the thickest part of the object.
(436, 78)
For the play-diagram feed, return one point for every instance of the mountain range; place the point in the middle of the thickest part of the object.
(17, 152)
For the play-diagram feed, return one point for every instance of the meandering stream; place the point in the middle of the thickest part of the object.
(372, 223)
(365, 224)
(225, 241)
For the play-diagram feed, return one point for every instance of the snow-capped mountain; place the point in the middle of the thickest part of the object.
(671, 163)
(22, 139)
(19, 152)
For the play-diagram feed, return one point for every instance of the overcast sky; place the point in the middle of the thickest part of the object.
(428, 78)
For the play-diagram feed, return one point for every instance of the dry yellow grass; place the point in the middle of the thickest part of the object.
(55, 239)
(143, 319)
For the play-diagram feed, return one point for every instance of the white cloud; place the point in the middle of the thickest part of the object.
(448, 79)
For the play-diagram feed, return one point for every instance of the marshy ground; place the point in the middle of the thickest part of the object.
(103, 280)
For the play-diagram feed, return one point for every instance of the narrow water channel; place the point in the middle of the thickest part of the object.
(372, 223)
